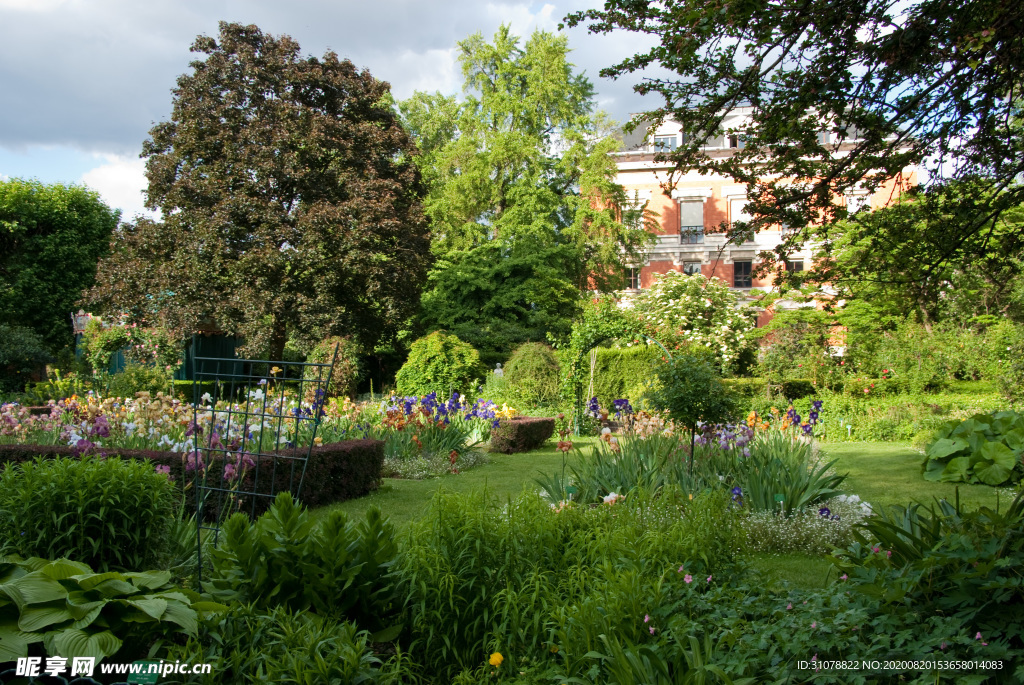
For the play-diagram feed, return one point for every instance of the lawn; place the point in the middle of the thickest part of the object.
(881, 473)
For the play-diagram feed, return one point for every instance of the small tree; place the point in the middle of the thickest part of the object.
(439, 363)
(692, 392)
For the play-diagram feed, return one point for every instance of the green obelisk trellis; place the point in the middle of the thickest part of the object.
(253, 426)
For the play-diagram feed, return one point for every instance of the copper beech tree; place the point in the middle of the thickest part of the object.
(290, 203)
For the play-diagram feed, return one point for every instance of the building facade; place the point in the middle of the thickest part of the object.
(689, 211)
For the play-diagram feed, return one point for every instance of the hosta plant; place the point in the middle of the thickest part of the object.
(64, 609)
(985, 448)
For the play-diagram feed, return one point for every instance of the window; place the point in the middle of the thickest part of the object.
(664, 143)
(737, 141)
(823, 137)
(633, 278)
(741, 274)
(794, 266)
(737, 211)
(691, 222)
(691, 268)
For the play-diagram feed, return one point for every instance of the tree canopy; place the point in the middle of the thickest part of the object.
(51, 238)
(521, 187)
(290, 199)
(841, 95)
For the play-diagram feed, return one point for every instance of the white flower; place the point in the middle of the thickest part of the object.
(206, 398)
(612, 498)
(256, 394)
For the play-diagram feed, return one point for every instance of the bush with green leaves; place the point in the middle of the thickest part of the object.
(986, 448)
(1009, 353)
(252, 645)
(335, 568)
(945, 560)
(680, 311)
(692, 392)
(440, 363)
(22, 353)
(135, 378)
(108, 513)
(530, 580)
(346, 366)
(62, 608)
(532, 375)
(626, 373)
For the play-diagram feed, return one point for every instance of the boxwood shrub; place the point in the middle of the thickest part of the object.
(521, 434)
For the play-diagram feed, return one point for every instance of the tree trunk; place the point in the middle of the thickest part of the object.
(277, 340)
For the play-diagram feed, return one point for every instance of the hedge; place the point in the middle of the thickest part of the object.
(793, 389)
(521, 434)
(335, 472)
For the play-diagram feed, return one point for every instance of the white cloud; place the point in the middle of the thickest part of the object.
(120, 181)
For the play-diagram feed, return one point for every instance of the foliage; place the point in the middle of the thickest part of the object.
(526, 579)
(680, 311)
(337, 569)
(944, 559)
(51, 237)
(522, 198)
(439, 363)
(521, 434)
(986, 448)
(22, 353)
(290, 201)
(136, 378)
(817, 529)
(250, 645)
(799, 344)
(152, 346)
(108, 513)
(532, 375)
(781, 475)
(626, 372)
(69, 611)
(816, 83)
(346, 366)
(56, 387)
(692, 392)
(1010, 376)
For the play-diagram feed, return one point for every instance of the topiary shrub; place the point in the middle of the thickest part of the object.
(625, 372)
(440, 363)
(346, 366)
(521, 434)
(532, 375)
(108, 513)
(139, 378)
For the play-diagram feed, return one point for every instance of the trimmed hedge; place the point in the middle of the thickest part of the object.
(521, 434)
(793, 389)
(335, 472)
(625, 372)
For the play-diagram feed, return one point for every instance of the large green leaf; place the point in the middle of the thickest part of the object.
(154, 607)
(149, 580)
(71, 643)
(933, 469)
(62, 569)
(14, 643)
(1000, 454)
(994, 474)
(183, 616)
(34, 588)
(956, 470)
(945, 447)
(33, 619)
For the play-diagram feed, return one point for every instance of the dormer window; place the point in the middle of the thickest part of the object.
(665, 143)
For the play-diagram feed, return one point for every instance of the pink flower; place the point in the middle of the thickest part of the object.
(814, 624)
(652, 630)
(680, 570)
(843, 577)
(646, 618)
(888, 553)
(688, 578)
(789, 606)
(875, 550)
(709, 579)
(978, 637)
(943, 645)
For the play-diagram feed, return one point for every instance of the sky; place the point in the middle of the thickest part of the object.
(83, 81)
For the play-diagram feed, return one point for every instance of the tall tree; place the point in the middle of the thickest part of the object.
(841, 94)
(521, 187)
(51, 238)
(291, 203)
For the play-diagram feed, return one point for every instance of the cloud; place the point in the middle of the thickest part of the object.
(120, 181)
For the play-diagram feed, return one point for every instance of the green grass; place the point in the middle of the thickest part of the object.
(887, 473)
(505, 476)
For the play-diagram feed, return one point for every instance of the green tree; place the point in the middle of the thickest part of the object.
(522, 191)
(51, 238)
(838, 95)
(290, 201)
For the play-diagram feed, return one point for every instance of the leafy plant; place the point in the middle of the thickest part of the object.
(346, 367)
(986, 448)
(439, 363)
(110, 513)
(781, 465)
(532, 375)
(337, 569)
(22, 353)
(252, 645)
(135, 378)
(66, 609)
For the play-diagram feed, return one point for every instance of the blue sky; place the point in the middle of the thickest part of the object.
(83, 81)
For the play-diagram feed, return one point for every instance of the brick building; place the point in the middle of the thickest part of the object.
(697, 203)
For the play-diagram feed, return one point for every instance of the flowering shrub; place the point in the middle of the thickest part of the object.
(680, 310)
(151, 346)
